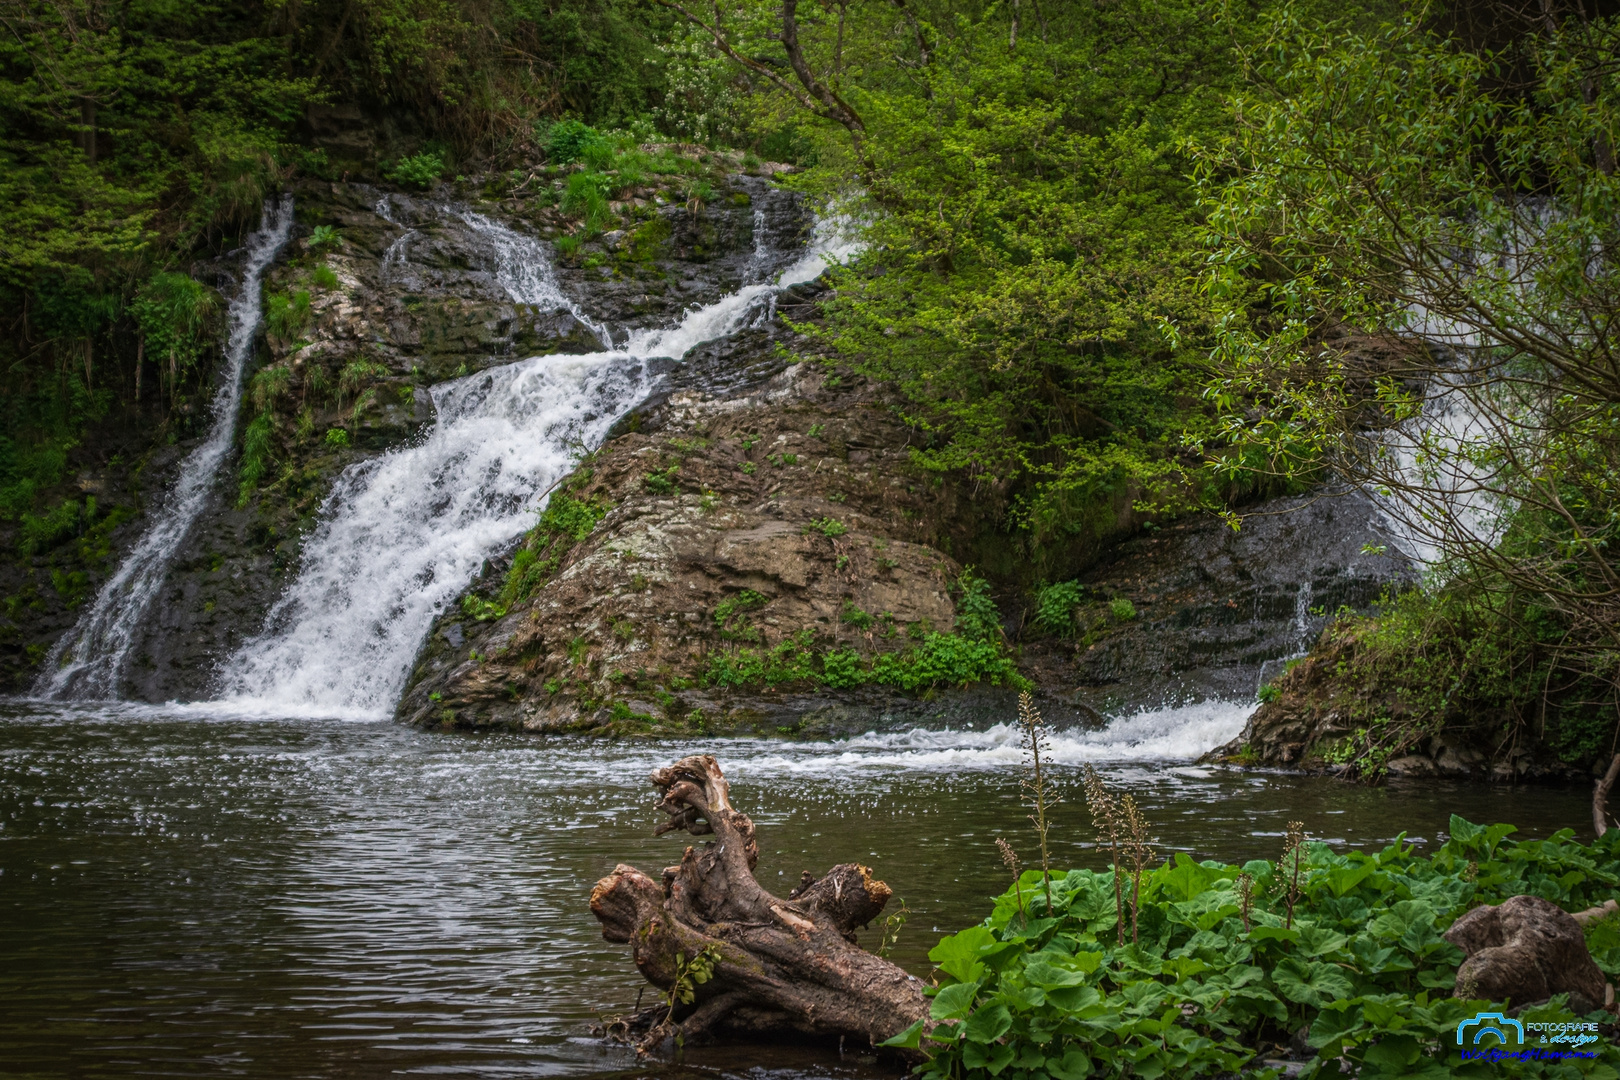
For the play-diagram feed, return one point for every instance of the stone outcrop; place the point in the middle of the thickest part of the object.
(1525, 950)
(737, 521)
(1216, 612)
(1320, 702)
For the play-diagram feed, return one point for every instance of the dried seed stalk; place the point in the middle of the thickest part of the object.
(1036, 795)
(1139, 847)
(1291, 867)
(1106, 820)
(1009, 859)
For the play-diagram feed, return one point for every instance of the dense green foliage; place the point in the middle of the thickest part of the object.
(1211, 979)
(1035, 226)
(1476, 667)
(1413, 254)
(138, 136)
(974, 652)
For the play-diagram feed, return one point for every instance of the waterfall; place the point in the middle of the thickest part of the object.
(762, 252)
(1302, 619)
(399, 250)
(524, 271)
(1440, 456)
(88, 661)
(401, 536)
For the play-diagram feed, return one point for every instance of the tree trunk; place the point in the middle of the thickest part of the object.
(781, 966)
(1600, 797)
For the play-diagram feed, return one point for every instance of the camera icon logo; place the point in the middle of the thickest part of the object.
(1491, 1023)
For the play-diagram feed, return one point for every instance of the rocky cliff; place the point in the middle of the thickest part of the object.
(757, 521)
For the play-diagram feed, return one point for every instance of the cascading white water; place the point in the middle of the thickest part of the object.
(1449, 503)
(762, 252)
(1302, 619)
(399, 250)
(402, 535)
(88, 661)
(524, 271)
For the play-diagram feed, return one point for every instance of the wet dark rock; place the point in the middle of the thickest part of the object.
(1217, 611)
(1525, 950)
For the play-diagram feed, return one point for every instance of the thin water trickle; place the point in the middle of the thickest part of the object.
(401, 535)
(400, 249)
(88, 662)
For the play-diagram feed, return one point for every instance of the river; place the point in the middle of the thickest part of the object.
(190, 892)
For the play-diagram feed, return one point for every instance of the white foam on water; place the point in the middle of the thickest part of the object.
(1173, 733)
(88, 662)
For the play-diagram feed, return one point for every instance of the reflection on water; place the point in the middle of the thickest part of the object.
(188, 893)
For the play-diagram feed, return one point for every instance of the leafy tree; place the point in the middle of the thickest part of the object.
(1414, 257)
(1023, 193)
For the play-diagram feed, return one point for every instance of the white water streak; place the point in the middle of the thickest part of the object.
(1178, 732)
(524, 271)
(1450, 503)
(89, 661)
(403, 534)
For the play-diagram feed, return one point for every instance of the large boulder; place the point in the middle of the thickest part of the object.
(1524, 950)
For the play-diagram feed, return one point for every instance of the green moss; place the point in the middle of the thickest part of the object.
(564, 522)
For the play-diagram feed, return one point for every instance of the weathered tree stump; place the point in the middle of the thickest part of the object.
(1525, 950)
(785, 966)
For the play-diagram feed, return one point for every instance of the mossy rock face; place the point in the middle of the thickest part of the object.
(416, 302)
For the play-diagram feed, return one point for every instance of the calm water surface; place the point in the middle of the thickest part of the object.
(189, 893)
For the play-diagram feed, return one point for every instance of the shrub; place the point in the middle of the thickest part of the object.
(481, 610)
(324, 236)
(946, 660)
(828, 527)
(977, 617)
(841, 669)
(39, 532)
(564, 522)
(567, 140)
(255, 457)
(286, 314)
(1122, 609)
(418, 170)
(854, 616)
(586, 198)
(661, 483)
(1054, 607)
(357, 373)
(598, 155)
(269, 384)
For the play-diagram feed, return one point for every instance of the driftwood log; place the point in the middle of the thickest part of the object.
(786, 966)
